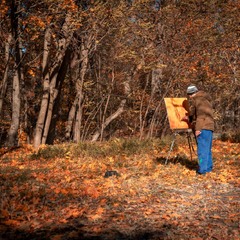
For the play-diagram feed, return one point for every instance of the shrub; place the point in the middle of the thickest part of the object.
(50, 151)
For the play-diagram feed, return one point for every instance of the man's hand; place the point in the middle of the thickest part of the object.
(185, 119)
(197, 133)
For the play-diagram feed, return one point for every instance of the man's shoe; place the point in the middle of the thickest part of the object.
(200, 174)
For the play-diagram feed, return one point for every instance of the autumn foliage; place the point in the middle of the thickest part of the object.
(84, 134)
(74, 70)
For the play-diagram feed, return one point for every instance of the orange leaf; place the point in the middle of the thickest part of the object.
(165, 216)
(216, 217)
(64, 191)
(12, 222)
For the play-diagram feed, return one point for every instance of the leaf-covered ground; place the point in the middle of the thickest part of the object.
(69, 198)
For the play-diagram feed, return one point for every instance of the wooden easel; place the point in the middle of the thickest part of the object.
(190, 144)
(177, 109)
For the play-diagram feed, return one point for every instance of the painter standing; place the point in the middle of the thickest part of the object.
(202, 122)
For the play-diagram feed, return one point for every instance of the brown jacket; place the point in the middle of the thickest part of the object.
(201, 112)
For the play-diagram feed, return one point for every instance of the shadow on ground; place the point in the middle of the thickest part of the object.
(75, 230)
(184, 161)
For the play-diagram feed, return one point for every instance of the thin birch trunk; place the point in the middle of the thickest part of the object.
(78, 122)
(155, 88)
(75, 114)
(74, 65)
(106, 106)
(85, 48)
(141, 118)
(117, 113)
(13, 131)
(104, 115)
(71, 117)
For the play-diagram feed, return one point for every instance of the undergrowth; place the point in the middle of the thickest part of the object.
(114, 147)
(233, 137)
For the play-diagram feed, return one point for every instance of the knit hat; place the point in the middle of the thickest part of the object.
(192, 89)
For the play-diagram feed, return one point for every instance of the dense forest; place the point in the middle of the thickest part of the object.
(74, 70)
(86, 149)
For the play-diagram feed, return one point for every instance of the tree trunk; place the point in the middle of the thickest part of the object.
(78, 121)
(117, 113)
(142, 115)
(51, 80)
(71, 117)
(3, 87)
(75, 114)
(85, 46)
(56, 102)
(74, 66)
(13, 131)
(44, 103)
(53, 95)
(155, 84)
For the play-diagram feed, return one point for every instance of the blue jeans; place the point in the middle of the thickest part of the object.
(204, 145)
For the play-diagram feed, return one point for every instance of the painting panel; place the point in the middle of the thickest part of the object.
(177, 109)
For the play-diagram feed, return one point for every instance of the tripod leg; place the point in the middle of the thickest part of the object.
(189, 144)
(171, 148)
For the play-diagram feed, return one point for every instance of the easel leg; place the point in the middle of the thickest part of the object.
(189, 144)
(171, 148)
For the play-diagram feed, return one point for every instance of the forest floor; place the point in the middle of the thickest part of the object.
(71, 198)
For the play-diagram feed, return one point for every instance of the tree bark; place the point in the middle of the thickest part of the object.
(75, 114)
(51, 80)
(13, 131)
(55, 112)
(46, 85)
(3, 87)
(85, 47)
(74, 69)
(117, 113)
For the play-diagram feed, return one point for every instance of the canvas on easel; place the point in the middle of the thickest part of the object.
(177, 109)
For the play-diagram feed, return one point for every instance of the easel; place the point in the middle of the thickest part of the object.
(177, 109)
(176, 132)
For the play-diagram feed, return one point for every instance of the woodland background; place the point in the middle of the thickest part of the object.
(81, 96)
(75, 70)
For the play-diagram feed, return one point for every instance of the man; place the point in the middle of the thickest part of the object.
(202, 121)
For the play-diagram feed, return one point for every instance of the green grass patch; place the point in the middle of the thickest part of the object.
(114, 147)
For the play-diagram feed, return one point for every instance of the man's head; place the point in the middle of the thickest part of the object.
(191, 89)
